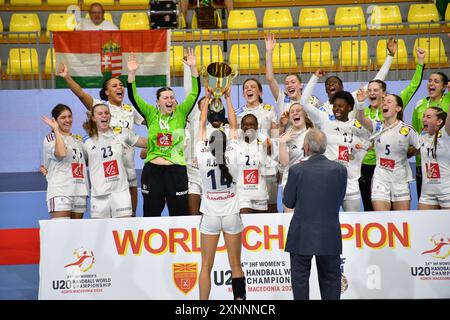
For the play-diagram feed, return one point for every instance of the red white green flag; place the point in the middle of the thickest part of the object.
(93, 56)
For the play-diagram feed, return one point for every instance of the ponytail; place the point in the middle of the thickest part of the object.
(441, 115)
(215, 140)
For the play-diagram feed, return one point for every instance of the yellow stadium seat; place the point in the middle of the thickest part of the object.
(206, 31)
(401, 56)
(384, 15)
(22, 61)
(1, 27)
(313, 17)
(176, 57)
(133, 2)
(134, 21)
(60, 22)
(278, 18)
(49, 65)
(284, 56)
(245, 56)
(25, 2)
(350, 16)
(61, 2)
(108, 16)
(24, 22)
(425, 12)
(103, 2)
(242, 19)
(434, 48)
(351, 53)
(208, 54)
(317, 54)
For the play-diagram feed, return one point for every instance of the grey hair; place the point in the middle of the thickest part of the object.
(316, 140)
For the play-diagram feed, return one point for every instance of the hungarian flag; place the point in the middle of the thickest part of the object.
(94, 56)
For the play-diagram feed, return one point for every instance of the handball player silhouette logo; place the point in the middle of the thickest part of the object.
(441, 246)
(185, 276)
(84, 259)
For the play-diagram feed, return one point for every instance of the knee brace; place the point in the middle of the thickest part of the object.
(238, 285)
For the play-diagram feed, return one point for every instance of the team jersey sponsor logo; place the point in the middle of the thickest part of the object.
(433, 171)
(164, 140)
(117, 130)
(357, 124)
(111, 168)
(219, 195)
(185, 276)
(343, 154)
(388, 164)
(251, 176)
(77, 170)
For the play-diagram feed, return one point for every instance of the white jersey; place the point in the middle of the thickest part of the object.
(124, 117)
(86, 24)
(435, 163)
(265, 114)
(296, 153)
(391, 146)
(219, 198)
(105, 155)
(252, 159)
(66, 177)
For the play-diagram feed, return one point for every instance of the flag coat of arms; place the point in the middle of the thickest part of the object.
(94, 56)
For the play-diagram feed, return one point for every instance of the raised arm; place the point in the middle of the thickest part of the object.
(317, 117)
(270, 77)
(361, 96)
(231, 114)
(85, 98)
(60, 146)
(392, 47)
(283, 152)
(407, 93)
(204, 116)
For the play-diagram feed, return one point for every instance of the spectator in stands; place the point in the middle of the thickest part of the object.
(164, 177)
(96, 20)
(184, 6)
(316, 189)
(437, 83)
(218, 166)
(394, 142)
(377, 92)
(123, 116)
(105, 153)
(435, 150)
(65, 167)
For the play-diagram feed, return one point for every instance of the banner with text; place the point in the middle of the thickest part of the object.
(386, 255)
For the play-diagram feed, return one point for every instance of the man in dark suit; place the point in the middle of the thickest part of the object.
(316, 189)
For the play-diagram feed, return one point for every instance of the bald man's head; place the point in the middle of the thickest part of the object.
(315, 142)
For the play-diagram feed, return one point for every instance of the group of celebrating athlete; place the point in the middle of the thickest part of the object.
(198, 161)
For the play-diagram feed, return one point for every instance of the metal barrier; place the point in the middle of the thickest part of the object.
(225, 38)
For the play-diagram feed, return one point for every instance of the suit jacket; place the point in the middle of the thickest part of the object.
(316, 189)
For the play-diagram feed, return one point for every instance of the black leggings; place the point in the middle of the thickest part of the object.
(161, 183)
(365, 185)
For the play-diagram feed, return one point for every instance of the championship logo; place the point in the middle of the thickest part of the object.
(184, 276)
(441, 246)
(84, 259)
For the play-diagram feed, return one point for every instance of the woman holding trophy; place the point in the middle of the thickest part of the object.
(164, 177)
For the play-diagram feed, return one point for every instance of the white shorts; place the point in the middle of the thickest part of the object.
(130, 166)
(260, 205)
(389, 191)
(442, 200)
(194, 180)
(272, 189)
(75, 204)
(113, 205)
(352, 192)
(213, 225)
